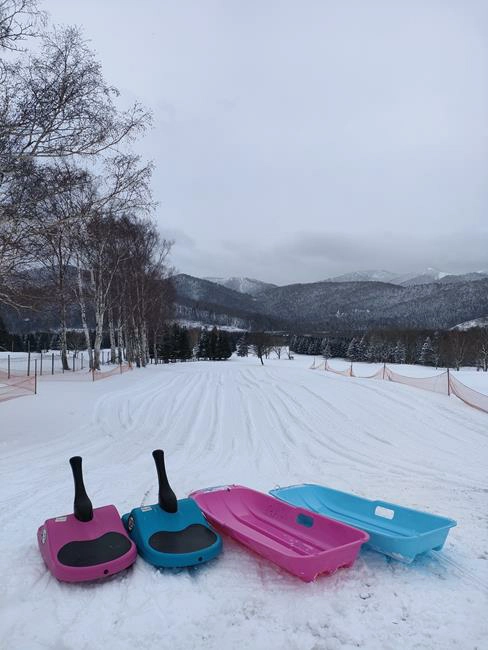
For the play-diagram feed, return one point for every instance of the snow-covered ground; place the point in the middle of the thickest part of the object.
(236, 421)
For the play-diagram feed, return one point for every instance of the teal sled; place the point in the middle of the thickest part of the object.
(171, 533)
(401, 533)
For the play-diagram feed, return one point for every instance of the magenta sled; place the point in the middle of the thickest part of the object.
(88, 544)
(301, 542)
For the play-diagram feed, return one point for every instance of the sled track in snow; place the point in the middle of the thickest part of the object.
(261, 426)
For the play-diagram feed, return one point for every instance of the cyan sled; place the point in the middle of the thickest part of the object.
(401, 533)
(171, 533)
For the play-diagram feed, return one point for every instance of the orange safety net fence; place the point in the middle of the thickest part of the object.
(317, 365)
(379, 374)
(443, 383)
(436, 384)
(15, 386)
(469, 395)
(344, 373)
(118, 370)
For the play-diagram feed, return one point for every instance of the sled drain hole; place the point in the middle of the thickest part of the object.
(200, 559)
(105, 571)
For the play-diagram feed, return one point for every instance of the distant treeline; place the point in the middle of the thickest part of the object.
(173, 342)
(450, 348)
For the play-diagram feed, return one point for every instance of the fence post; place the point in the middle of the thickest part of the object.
(82, 360)
(52, 363)
(448, 383)
(74, 361)
(28, 364)
(350, 371)
(120, 365)
(41, 364)
(8, 366)
(93, 372)
(384, 368)
(35, 376)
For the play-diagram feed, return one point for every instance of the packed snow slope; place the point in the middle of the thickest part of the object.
(239, 422)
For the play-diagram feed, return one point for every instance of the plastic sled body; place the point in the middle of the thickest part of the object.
(87, 545)
(171, 533)
(401, 533)
(300, 542)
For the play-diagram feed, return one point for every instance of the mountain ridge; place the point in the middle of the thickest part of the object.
(340, 305)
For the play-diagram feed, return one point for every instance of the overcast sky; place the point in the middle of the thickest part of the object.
(298, 140)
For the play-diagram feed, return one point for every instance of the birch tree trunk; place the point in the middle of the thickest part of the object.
(120, 340)
(86, 331)
(144, 345)
(63, 336)
(111, 328)
(99, 318)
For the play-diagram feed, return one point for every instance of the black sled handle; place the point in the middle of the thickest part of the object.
(167, 498)
(82, 509)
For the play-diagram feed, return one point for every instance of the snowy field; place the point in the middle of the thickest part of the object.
(238, 422)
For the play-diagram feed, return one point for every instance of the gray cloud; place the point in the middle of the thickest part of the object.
(311, 256)
(297, 140)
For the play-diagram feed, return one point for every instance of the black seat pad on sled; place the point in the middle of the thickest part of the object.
(192, 538)
(105, 548)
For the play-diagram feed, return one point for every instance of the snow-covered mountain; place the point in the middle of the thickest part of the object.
(366, 276)
(424, 277)
(469, 324)
(333, 305)
(254, 287)
(465, 277)
(409, 279)
(243, 285)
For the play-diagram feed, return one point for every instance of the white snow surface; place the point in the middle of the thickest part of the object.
(242, 284)
(239, 422)
(469, 324)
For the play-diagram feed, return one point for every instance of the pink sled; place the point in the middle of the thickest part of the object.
(89, 544)
(303, 543)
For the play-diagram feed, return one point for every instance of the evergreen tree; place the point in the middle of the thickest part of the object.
(5, 338)
(362, 348)
(166, 346)
(436, 349)
(302, 345)
(427, 353)
(400, 352)
(352, 350)
(223, 348)
(325, 348)
(373, 353)
(212, 343)
(203, 349)
(184, 344)
(242, 346)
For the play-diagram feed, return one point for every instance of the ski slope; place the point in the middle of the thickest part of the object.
(239, 422)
